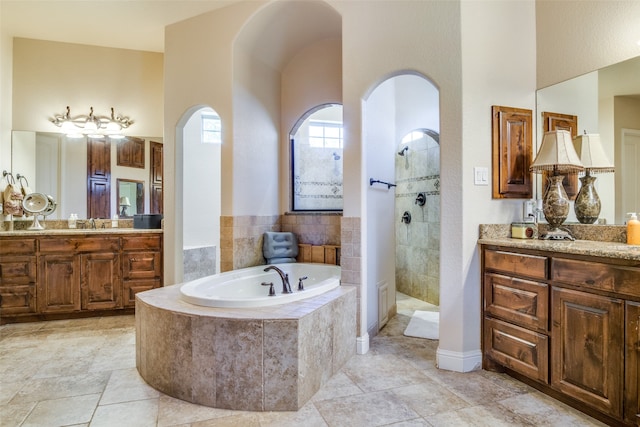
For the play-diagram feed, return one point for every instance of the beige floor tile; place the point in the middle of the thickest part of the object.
(541, 410)
(47, 388)
(395, 384)
(13, 414)
(307, 416)
(429, 398)
(140, 413)
(365, 410)
(174, 411)
(62, 412)
(479, 416)
(125, 385)
(390, 371)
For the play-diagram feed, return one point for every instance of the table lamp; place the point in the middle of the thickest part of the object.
(594, 160)
(124, 204)
(557, 155)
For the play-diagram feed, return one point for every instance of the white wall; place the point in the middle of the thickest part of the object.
(201, 199)
(498, 68)
(256, 125)
(576, 38)
(380, 152)
(49, 76)
(313, 77)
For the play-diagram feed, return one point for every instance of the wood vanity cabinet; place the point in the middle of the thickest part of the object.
(18, 276)
(79, 273)
(54, 276)
(141, 265)
(568, 325)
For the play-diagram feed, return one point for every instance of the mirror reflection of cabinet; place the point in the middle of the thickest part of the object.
(131, 153)
(98, 178)
(155, 178)
(130, 197)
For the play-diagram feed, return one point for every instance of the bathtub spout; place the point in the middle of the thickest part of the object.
(286, 287)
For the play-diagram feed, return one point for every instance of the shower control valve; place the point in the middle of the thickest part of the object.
(406, 217)
(421, 199)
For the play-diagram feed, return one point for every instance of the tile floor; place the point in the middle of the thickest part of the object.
(82, 373)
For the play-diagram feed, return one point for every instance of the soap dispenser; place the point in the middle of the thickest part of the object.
(633, 230)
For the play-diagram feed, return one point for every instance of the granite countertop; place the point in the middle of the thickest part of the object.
(499, 235)
(78, 232)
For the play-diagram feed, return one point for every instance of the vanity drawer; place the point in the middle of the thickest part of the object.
(84, 244)
(17, 246)
(141, 243)
(531, 266)
(141, 265)
(520, 301)
(17, 270)
(516, 348)
(593, 275)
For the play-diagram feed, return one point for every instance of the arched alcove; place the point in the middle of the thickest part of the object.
(398, 105)
(197, 179)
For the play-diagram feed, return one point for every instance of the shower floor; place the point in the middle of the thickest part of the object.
(407, 305)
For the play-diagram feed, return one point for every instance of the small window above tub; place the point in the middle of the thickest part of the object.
(211, 128)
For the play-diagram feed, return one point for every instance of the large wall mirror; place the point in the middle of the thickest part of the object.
(57, 165)
(606, 102)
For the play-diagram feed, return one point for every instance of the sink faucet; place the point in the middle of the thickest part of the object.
(92, 223)
(286, 287)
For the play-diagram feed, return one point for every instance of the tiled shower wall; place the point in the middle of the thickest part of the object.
(418, 243)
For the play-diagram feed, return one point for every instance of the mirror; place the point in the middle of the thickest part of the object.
(57, 165)
(130, 197)
(607, 102)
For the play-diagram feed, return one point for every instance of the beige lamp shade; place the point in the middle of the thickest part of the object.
(557, 153)
(592, 156)
(124, 201)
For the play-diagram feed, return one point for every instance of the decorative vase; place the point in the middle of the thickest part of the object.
(556, 203)
(587, 205)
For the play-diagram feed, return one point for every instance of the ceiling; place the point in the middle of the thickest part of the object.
(125, 24)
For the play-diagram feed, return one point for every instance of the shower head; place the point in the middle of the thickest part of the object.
(401, 152)
(336, 156)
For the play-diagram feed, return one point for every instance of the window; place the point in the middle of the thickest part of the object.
(325, 134)
(316, 160)
(211, 129)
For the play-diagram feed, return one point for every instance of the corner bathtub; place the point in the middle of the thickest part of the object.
(243, 288)
(242, 358)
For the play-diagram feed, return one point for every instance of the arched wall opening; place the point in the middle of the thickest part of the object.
(198, 191)
(403, 102)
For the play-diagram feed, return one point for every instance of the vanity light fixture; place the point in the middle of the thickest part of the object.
(556, 154)
(92, 125)
(594, 160)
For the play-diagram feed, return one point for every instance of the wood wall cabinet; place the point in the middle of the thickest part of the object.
(18, 276)
(48, 277)
(512, 145)
(568, 325)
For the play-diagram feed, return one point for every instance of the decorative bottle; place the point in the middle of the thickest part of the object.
(633, 230)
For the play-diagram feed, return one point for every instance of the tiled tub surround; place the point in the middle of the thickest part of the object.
(198, 262)
(418, 243)
(264, 359)
(241, 236)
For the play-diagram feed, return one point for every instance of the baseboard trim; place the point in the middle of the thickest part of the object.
(459, 361)
(362, 344)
